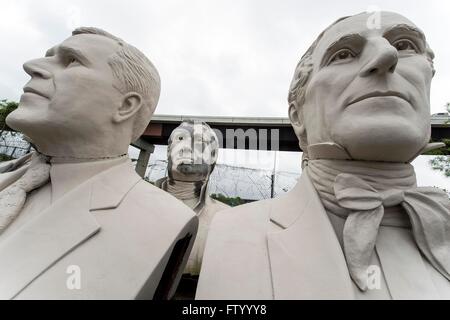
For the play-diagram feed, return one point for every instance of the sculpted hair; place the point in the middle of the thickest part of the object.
(302, 74)
(134, 72)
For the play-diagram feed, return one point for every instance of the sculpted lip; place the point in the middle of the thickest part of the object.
(380, 94)
(28, 89)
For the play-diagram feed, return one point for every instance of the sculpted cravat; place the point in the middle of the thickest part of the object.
(428, 211)
(13, 197)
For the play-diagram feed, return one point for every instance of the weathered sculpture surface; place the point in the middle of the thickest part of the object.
(76, 221)
(356, 226)
(192, 153)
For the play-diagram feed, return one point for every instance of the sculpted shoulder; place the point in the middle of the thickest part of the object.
(236, 248)
(220, 206)
(242, 216)
(251, 214)
(148, 197)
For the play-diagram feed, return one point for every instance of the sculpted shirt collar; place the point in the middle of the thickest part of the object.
(66, 174)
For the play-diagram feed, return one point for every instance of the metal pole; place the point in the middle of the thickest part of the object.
(142, 163)
(272, 184)
(144, 155)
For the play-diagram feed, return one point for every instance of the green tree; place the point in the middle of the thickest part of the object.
(441, 151)
(232, 202)
(5, 157)
(441, 163)
(6, 107)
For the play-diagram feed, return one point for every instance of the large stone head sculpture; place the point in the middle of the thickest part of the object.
(89, 97)
(364, 90)
(192, 152)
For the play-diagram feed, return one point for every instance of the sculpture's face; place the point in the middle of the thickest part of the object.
(369, 90)
(192, 152)
(71, 96)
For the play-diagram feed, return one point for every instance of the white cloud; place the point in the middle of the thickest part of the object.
(219, 57)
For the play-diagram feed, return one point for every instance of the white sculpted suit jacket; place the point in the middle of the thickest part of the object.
(284, 244)
(209, 208)
(287, 248)
(122, 234)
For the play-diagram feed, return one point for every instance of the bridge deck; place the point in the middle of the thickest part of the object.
(160, 127)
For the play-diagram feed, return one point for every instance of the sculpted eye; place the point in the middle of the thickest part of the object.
(342, 56)
(405, 45)
(72, 60)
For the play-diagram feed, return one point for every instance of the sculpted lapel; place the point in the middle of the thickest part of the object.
(228, 275)
(283, 248)
(110, 187)
(59, 229)
(306, 259)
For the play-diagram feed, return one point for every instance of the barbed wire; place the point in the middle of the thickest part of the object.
(13, 144)
(234, 181)
(229, 180)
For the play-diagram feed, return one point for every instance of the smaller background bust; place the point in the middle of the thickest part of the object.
(192, 153)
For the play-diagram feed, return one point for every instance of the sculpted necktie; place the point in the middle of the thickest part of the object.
(13, 197)
(427, 208)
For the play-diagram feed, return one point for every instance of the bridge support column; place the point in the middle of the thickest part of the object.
(144, 155)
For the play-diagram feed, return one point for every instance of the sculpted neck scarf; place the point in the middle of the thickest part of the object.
(370, 194)
(183, 190)
(12, 198)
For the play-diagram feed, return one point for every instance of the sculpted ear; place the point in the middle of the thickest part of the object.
(297, 125)
(131, 103)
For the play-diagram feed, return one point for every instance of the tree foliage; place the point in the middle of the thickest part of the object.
(6, 107)
(232, 202)
(441, 151)
(441, 163)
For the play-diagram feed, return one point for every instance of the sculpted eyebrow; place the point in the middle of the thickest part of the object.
(404, 28)
(50, 52)
(349, 40)
(69, 51)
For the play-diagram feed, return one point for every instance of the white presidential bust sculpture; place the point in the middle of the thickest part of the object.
(356, 226)
(76, 221)
(192, 152)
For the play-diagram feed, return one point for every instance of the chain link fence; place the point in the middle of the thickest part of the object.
(232, 181)
(13, 145)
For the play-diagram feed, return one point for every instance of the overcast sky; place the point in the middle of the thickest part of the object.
(224, 58)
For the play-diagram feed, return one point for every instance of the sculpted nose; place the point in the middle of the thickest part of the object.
(383, 58)
(35, 68)
(184, 150)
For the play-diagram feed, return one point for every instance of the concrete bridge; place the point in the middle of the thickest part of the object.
(258, 133)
